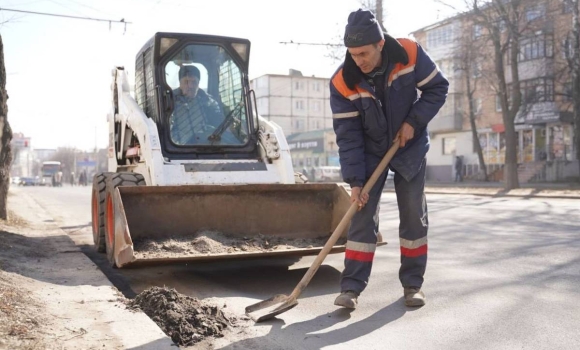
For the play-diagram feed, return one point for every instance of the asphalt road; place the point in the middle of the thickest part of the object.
(503, 273)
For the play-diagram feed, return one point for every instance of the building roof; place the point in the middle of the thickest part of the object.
(290, 76)
(308, 135)
(438, 24)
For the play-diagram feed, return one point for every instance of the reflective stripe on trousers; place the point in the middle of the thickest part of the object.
(362, 234)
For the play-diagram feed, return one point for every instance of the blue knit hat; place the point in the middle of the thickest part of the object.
(191, 71)
(362, 29)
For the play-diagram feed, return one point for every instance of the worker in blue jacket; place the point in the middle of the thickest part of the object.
(375, 102)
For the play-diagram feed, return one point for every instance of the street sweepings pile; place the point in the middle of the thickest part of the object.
(185, 319)
(211, 242)
(19, 315)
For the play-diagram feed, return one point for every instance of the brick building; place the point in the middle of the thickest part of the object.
(545, 139)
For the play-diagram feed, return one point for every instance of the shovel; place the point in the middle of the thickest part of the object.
(280, 303)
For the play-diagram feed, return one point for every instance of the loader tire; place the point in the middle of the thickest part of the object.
(112, 182)
(98, 210)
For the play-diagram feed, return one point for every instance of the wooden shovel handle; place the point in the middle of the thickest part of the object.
(344, 222)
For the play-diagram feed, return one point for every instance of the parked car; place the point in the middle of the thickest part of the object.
(327, 173)
(28, 181)
(15, 180)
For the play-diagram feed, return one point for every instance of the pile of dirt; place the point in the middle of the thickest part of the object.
(211, 242)
(20, 318)
(185, 319)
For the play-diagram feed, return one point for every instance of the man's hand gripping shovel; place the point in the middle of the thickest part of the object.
(280, 303)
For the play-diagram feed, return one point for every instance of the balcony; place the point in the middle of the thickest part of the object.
(446, 122)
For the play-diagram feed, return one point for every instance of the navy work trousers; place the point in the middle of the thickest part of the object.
(362, 234)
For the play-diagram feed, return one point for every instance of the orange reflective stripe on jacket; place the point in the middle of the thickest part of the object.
(400, 69)
(345, 91)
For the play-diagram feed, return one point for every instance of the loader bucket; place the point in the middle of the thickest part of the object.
(172, 224)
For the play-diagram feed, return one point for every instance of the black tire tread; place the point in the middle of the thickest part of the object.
(99, 183)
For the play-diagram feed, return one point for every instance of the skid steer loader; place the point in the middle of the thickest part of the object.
(171, 177)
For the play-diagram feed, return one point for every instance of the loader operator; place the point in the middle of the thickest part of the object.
(374, 101)
(195, 113)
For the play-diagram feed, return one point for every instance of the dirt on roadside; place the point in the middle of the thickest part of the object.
(185, 319)
(25, 323)
(22, 318)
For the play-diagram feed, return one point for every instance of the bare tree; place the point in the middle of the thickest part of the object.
(574, 65)
(505, 26)
(468, 62)
(336, 52)
(67, 156)
(5, 138)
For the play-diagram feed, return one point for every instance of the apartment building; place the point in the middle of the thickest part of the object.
(301, 106)
(295, 102)
(544, 124)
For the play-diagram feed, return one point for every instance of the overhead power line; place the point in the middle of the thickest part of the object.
(311, 44)
(69, 16)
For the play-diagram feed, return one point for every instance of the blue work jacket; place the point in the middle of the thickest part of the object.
(364, 133)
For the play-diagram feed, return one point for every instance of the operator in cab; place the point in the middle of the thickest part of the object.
(196, 114)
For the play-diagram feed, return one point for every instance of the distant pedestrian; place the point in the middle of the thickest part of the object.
(458, 169)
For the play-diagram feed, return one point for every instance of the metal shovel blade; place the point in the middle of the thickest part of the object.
(267, 309)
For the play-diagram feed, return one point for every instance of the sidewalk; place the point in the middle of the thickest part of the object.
(496, 189)
(81, 307)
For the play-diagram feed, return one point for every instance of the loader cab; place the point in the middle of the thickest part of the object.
(196, 90)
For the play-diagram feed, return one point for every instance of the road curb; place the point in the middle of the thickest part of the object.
(82, 283)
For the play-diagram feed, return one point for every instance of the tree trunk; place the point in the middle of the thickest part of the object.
(5, 138)
(511, 162)
(477, 145)
(509, 112)
(576, 76)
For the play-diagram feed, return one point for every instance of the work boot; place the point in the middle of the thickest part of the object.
(414, 296)
(347, 299)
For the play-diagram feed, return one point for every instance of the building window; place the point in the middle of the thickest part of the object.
(299, 124)
(537, 90)
(299, 105)
(448, 145)
(536, 47)
(316, 86)
(533, 48)
(502, 26)
(298, 85)
(477, 31)
(567, 49)
(535, 12)
(476, 69)
(440, 36)
(316, 106)
(567, 6)
(568, 92)
(476, 105)
(498, 103)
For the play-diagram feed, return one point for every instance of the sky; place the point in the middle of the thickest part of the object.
(59, 70)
